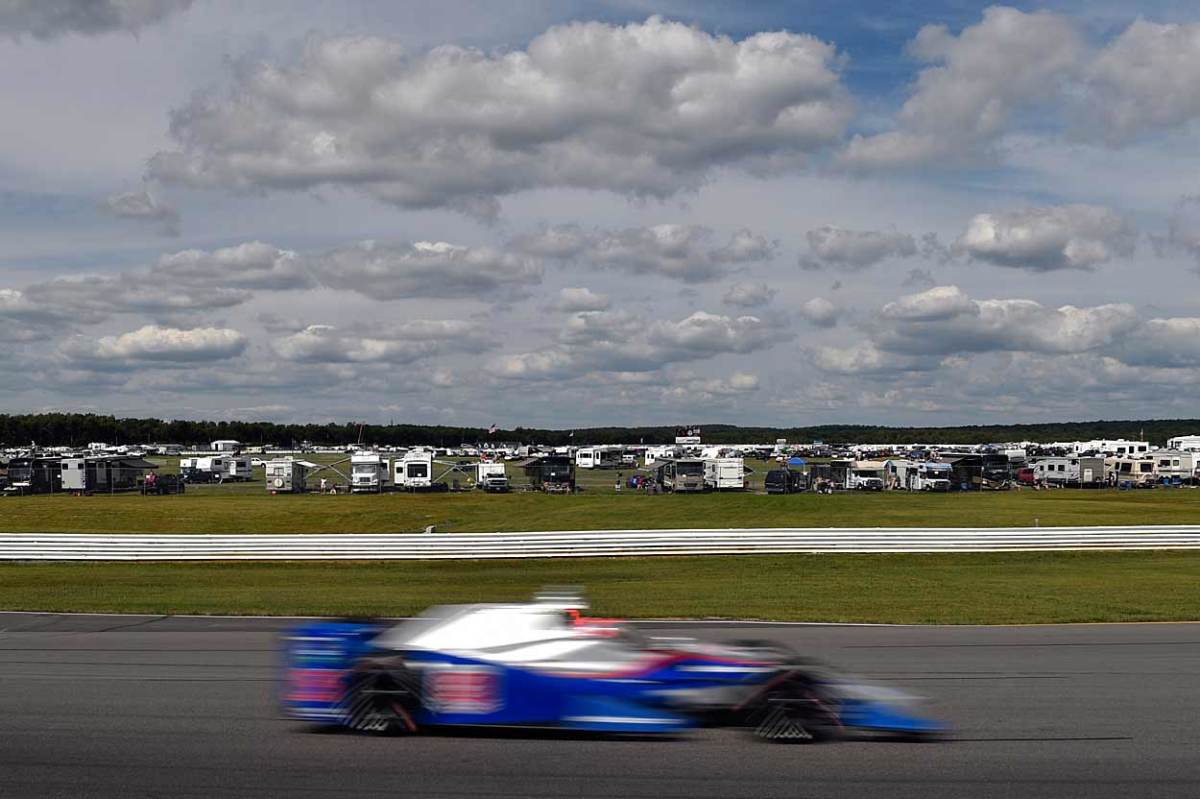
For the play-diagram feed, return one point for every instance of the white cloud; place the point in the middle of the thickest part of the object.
(1145, 80)
(582, 299)
(748, 295)
(647, 108)
(618, 342)
(401, 344)
(851, 250)
(252, 265)
(47, 19)
(152, 343)
(820, 312)
(939, 302)
(426, 269)
(145, 207)
(685, 252)
(1049, 238)
(976, 83)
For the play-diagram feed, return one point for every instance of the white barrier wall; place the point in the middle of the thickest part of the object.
(579, 544)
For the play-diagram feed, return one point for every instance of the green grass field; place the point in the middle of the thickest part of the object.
(221, 510)
(950, 589)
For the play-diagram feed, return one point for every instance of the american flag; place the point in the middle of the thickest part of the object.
(492, 430)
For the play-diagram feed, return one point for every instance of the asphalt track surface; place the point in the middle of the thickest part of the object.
(129, 706)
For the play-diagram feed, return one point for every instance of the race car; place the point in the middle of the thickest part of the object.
(542, 664)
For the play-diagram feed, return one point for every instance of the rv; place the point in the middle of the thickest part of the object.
(491, 477)
(287, 476)
(552, 473)
(216, 469)
(1175, 465)
(414, 471)
(725, 474)
(681, 475)
(102, 473)
(1132, 471)
(368, 473)
(1069, 471)
(784, 481)
(867, 475)
(598, 457)
(931, 476)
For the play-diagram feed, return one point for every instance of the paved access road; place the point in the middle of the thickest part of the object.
(149, 706)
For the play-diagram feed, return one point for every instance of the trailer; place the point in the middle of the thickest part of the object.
(609, 457)
(554, 474)
(287, 475)
(34, 475)
(867, 475)
(217, 469)
(725, 474)
(681, 475)
(102, 473)
(1065, 470)
(413, 472)
(368, 473)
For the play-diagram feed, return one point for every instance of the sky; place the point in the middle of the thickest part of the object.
(567, 214)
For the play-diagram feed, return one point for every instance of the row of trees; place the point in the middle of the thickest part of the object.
(78, 429)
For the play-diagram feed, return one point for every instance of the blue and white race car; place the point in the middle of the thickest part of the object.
(541, 664)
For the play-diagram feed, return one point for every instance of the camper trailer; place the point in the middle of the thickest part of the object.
(1069, 471)
(490, 476)
(1132, 471)
(1174, 465)
(287, 476)
(368, 473)
(552, 473)
(102, 473)
(725, 474)
(681, 475)
(598, 457)
(414, 471)
(216, 469)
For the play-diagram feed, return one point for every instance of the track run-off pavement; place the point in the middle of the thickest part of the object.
(94, 705)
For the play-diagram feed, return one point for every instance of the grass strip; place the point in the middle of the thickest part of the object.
(1001, 588)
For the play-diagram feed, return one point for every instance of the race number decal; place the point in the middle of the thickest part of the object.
(463, 689)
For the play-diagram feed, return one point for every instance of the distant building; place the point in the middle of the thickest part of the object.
(226, 445)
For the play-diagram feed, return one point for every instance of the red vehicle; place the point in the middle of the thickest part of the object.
(1026, 477)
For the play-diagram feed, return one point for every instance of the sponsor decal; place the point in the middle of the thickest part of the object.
(463, 689)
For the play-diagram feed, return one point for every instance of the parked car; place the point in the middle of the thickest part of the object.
(165, 484)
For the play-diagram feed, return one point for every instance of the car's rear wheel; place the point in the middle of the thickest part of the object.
(382, 701)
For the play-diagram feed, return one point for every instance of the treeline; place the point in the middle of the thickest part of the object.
(79, 429)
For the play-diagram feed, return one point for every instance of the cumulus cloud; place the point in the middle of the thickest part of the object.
(426, 269)
(684, 252)
(1144, 80)
(1049, 238)
(618, 341)
(152, 343)
(93, 298)
(144, 207)
(648, 109)
(582, 299)
(1166, 343)
(852, 250)
(398, 344)
(748, 295)
(976, 83)
(820, 312)
(252, 265)
(47, 19)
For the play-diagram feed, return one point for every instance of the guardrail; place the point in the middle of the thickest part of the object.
(586, 544)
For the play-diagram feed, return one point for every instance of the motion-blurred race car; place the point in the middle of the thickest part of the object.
(541, 664)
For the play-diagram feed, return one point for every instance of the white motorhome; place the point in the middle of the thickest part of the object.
(414, 470)
(491, 476)
(931, 476)
(725, 474)
(287, 475)
(368, 473)
(867, 475)
(1134, 471)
